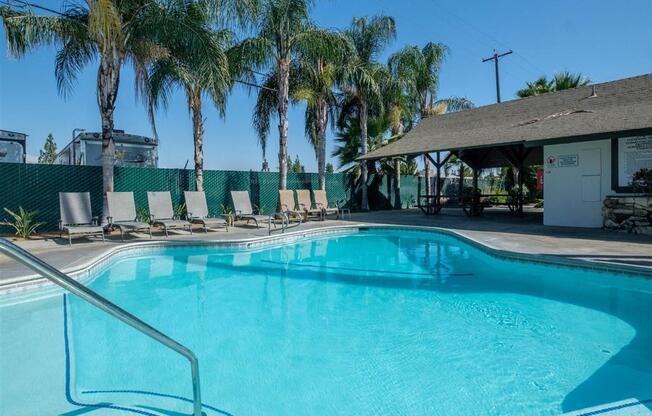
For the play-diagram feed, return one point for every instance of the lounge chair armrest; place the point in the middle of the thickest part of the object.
(304, 207)
(320, 206)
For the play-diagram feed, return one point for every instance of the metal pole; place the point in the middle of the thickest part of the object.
(495, 57)
(76, 288)
(497, 80)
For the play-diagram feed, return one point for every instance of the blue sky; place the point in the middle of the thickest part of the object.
(604, 40)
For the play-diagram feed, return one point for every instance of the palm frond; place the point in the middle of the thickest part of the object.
(266, 107)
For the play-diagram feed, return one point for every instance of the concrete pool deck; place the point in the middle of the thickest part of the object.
(496, 229)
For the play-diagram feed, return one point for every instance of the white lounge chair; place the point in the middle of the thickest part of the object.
(243, 210)
(288, 206)
(122, 214)
(161, 212)
(197, 211)
(305, 205)
(321, 202)
(75, 216)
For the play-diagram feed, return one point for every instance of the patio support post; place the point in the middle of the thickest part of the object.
(520, 187)
(475, 207)
(419, 192)
(461, 184)
(397, 184)
(438, 184)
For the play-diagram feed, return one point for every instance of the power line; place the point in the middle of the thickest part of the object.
(11, 3)
(36, 6)
(532, 66)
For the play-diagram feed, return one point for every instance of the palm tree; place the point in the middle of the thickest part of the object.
(316, 87)
(312, 80)
(418, 68)
(400, 113)
(113, 32)
(368, 37)
(285, 30)
(565, 81)
(561, 81)
(541, 86)
(198, 75)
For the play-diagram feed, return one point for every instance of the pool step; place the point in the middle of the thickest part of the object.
(628, 407)
(147, 403)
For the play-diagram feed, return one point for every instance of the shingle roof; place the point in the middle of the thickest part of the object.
(578, 114)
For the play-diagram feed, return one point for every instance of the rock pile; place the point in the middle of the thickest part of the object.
(632, 214)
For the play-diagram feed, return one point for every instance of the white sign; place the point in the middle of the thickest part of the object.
(568, 161)
(551, 162)
(634, 154)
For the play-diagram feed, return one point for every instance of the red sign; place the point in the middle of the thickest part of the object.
(539, 179)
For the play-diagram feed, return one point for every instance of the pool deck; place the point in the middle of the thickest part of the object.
(496, 229)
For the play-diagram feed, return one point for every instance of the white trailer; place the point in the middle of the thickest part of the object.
(12, 146)
(130, 150)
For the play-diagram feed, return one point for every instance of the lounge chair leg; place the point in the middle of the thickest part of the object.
(103, 240)
(150, 232)
(205, 229)
(69, 240)
(166, 232)
(122, 235)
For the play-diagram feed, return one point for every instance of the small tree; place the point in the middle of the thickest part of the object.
(296, 166)
(329, 168)
(49, 153)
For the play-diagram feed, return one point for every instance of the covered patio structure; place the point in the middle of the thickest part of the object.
(518, 133)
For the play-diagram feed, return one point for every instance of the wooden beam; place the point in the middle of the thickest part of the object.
(447, 158)
(430, 159)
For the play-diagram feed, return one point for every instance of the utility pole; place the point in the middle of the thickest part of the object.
(495, 58)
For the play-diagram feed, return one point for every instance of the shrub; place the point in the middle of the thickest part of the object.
(23, 222)
(642, 181)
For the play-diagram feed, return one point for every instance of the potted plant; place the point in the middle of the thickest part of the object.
(227, 213)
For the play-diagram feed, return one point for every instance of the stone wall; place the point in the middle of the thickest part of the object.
(631, 214)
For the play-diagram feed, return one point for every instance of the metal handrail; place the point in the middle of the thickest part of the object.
(73, 286)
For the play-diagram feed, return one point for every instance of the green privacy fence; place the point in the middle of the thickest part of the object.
(37, 187)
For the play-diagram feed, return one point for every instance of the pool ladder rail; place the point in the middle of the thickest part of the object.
(56, 276)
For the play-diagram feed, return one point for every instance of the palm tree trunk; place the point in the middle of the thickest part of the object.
(364, 113)
(322, 121)
(283, 98)
(397, 184)
(108, 80)
(198, 136)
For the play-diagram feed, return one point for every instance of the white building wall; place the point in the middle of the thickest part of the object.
(577, 177)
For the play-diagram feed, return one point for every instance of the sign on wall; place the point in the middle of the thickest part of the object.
(563, 161)
(568, 161)
(634, 154)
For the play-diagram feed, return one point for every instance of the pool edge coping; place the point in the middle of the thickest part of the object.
(33, 281)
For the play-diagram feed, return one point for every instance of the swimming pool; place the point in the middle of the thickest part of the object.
(377, 321)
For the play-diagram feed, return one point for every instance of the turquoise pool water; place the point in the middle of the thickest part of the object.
(378, 322)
